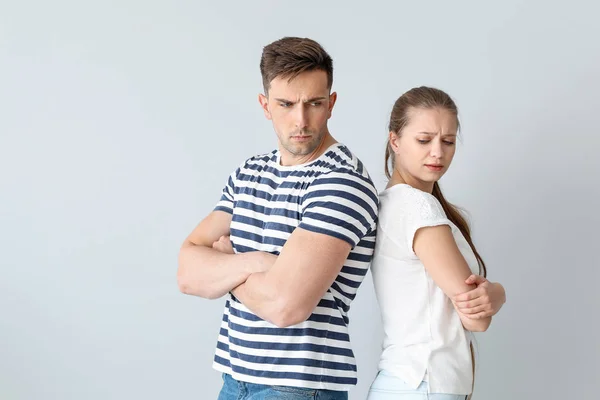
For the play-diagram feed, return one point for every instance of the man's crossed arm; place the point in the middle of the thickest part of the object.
(283, 290)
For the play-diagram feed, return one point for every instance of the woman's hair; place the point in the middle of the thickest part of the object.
(428, 98)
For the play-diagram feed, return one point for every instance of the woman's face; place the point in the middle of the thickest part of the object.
(425, 148)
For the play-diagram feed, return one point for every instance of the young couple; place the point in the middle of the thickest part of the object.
(296, 229)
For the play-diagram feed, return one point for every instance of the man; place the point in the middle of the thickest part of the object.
(290, 240)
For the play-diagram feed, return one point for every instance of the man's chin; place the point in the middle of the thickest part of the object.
(300, 151)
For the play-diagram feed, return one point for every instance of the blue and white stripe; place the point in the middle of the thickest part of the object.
(333, 195)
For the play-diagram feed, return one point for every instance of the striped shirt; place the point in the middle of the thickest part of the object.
(332, 195)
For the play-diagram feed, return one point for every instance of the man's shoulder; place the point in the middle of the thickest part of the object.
(261, 158)
(342, 163)
(343, 160)
(255, 163)
(345, 178)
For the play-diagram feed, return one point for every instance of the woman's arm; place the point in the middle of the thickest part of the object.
(484, 301)
(436, 248)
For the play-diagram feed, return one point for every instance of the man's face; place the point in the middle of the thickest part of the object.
(299, 110)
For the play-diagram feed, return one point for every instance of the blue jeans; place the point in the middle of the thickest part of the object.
(236, 390)
(388, 387)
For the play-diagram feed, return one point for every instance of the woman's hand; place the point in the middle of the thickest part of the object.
(483, 301)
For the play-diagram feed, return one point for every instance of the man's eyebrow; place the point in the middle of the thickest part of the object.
(307, 101)
(315, 99)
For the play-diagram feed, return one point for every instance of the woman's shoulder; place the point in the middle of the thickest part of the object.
(404, 199)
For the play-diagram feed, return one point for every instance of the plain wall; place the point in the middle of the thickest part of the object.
(120, 122)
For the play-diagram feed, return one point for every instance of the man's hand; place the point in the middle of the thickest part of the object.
(261, 261)
(208, 267)
(481, 302)
(223, 245)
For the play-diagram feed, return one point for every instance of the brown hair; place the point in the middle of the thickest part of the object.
(428, 98)
(290, 56)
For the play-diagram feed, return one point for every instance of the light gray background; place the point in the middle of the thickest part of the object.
(120, 121)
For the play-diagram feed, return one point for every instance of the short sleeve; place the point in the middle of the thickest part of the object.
(340, 204)
(422, 210)
(226, 201)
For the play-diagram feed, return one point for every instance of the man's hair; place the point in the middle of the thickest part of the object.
(290, 56)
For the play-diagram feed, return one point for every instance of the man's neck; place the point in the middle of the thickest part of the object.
(327, 142)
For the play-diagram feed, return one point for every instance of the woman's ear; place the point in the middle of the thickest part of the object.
(393, 139)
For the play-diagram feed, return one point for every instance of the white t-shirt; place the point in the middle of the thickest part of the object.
(423, 335)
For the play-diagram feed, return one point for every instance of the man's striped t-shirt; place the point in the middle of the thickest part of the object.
(332, 195)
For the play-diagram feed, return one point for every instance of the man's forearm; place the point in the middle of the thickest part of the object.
(257, 295)
(263, 297)
(208, 273)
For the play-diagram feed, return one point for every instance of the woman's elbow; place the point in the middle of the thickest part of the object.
(480, 325)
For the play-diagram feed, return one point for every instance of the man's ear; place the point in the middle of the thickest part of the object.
(332, 100)
(264, 103)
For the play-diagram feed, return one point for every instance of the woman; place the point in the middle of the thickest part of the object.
(426, 270)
